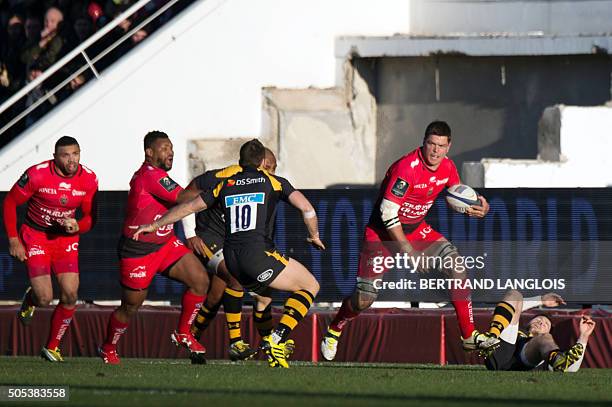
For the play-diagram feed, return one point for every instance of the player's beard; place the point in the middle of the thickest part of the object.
(166, 164)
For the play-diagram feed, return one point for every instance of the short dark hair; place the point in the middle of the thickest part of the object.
(252, 153)
(438, 128)
(65, 141)
(152, 136)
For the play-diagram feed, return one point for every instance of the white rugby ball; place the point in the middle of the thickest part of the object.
(460, 197)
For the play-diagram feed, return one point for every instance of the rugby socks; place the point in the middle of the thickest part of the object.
(191, 303)
(460, 298)
(296, 308)
(502, 316)
(263, 320)
(203, 318)
(60, 321)
(114, 332)
(344, 315)
(232, 305)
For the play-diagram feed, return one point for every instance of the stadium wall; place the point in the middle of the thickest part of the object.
(383, 335)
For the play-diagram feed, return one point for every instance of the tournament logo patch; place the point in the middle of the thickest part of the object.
(168, 184)
(23, 180)
(399, 188)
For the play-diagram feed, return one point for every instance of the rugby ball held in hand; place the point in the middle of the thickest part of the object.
(460, 197)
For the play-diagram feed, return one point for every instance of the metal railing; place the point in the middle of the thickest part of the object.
(89, 62)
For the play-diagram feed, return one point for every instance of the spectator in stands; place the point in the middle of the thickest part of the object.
(12, 70)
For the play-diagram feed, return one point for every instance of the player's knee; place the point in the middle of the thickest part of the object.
(44, 300)
(365, 294)
(263, 302)
(513, 295)
(69, 298)
(199, 285)
(314, 287)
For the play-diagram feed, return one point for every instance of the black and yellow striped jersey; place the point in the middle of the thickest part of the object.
(212, 219)
(248, 199)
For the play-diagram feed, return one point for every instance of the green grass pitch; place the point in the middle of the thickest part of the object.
(162, 382)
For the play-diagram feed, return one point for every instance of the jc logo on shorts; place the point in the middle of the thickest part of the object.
(265, 275)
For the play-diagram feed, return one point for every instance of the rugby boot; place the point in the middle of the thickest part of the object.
(188, 342)
(52, 355)
(480, 341)
(241, 350)
(329, 344)
(26, 312)
(109, 357)
(289, 348)
(276, 352)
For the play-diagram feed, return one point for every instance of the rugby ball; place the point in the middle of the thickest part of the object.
(460, 197)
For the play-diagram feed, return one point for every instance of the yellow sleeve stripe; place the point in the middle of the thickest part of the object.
(276, 185)
(228, 171)
(218, 189)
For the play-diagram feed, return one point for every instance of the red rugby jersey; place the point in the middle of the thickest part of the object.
(52, 198)
(152, 193)
(412, 185)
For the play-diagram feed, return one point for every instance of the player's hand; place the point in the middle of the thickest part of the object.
(197, 245)
(587, 325)
(150, 228)
(71, 225)
(316, 242)
(478, 211)
(16, 249)
(552, 300)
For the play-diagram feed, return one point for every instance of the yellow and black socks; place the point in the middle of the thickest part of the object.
(502, 316)
(232, 305)
(296, 308)
(203, 318)
(263, 320)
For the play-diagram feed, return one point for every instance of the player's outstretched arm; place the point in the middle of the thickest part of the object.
(173, 215)
(299, 201)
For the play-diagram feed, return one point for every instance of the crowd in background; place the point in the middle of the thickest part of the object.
(35, 34)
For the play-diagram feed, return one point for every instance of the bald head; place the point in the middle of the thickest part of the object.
(269, 162)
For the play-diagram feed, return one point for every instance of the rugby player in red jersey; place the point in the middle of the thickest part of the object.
(152, 193)
(49, 239)
(408, 191)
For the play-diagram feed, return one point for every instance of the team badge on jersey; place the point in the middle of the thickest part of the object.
(399, 188)
(63, 200)
(23, 180)
(168, 184)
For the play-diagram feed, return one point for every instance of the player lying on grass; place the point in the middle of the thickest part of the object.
(534, 348)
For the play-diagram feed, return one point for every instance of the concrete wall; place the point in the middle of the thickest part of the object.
(585, 141)
(201, 77)
(498, 16)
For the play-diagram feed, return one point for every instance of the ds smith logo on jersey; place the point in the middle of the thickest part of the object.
(246, 181)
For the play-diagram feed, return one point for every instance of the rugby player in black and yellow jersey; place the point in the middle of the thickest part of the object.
(249, 199)
(534, 348)
(205, 233)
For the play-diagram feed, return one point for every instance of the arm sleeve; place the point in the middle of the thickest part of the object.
(163, 187)
(211, 195)
(189, 225)
(286, 188)
(396, 184)
(89, 206)
(18, 195)
(453, 178)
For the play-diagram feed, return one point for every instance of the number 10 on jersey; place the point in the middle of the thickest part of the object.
(243, 210)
